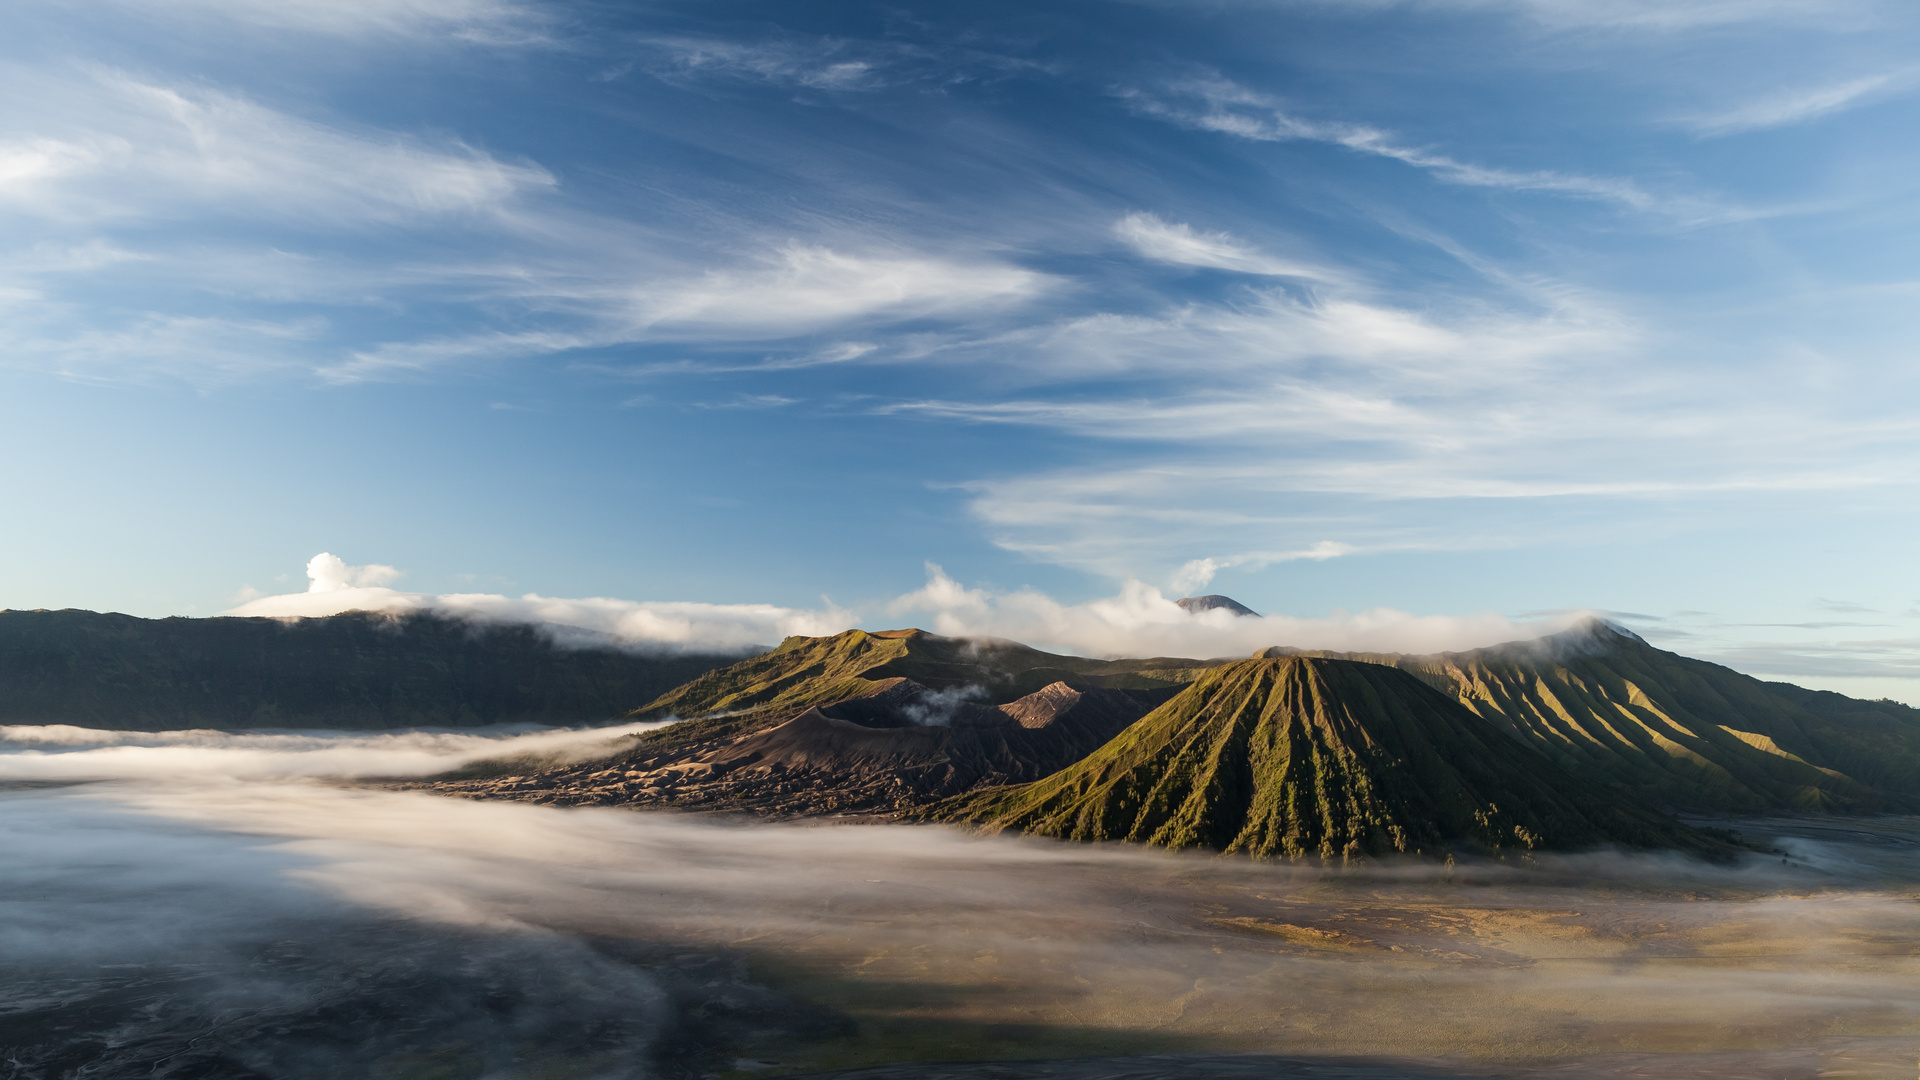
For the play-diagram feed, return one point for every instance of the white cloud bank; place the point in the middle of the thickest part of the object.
(664, 626)
(61, 752)
(1139, 621)
(1142, 621)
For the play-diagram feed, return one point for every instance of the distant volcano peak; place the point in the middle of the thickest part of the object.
(1214, 602)
(1591, 635)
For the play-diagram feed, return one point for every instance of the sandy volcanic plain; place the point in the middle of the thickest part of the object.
(205, 904)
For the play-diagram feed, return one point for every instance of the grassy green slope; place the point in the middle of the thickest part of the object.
(1675, 730)
(1292, 757)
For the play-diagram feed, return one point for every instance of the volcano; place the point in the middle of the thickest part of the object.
(722, 706)
(1302, 757)
(1194, 605)
(897, 745)
(1678, 732)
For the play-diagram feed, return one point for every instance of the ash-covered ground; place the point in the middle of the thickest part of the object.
(211, 905)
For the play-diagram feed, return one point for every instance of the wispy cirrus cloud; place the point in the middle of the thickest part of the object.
(798, 288)
(1183, 245)
(1657, 16)
(1341, 341)
(102, 166)
(507, 22)
(1805, 103)
(157, 346)
(102, 150)
(1220, 105)
(1195, 574)
(785, 291)
(806, 63)
(113, 147)
(1153, 519)
(1277, 427)
(823, 63)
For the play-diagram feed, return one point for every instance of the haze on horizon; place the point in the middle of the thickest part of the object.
(1486, 311)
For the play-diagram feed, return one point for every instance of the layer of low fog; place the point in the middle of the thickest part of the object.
(196, 898)
(1140, 620)
(62, 752)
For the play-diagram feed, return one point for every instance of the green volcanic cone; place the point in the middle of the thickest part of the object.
(1299, 757)
(1674, 731)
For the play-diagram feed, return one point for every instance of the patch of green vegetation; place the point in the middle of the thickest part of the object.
(802, 671)
(1303, 757)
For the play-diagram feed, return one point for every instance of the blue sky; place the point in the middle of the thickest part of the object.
(1451, 307)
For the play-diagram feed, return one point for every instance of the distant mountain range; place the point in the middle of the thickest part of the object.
(358, 671)
(1587, 736)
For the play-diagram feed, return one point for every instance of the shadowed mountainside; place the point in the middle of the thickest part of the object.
(854, 723)
(1301, 757)
(356, 671)
(1676, 731)
(896, 746)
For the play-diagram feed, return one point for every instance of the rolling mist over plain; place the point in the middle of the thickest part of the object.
(199, 908)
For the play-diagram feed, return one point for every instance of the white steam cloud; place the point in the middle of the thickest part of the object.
(936, 708)
(1139, 621)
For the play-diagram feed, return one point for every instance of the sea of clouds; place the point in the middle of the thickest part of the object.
(191, 896)
(1138, 621)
